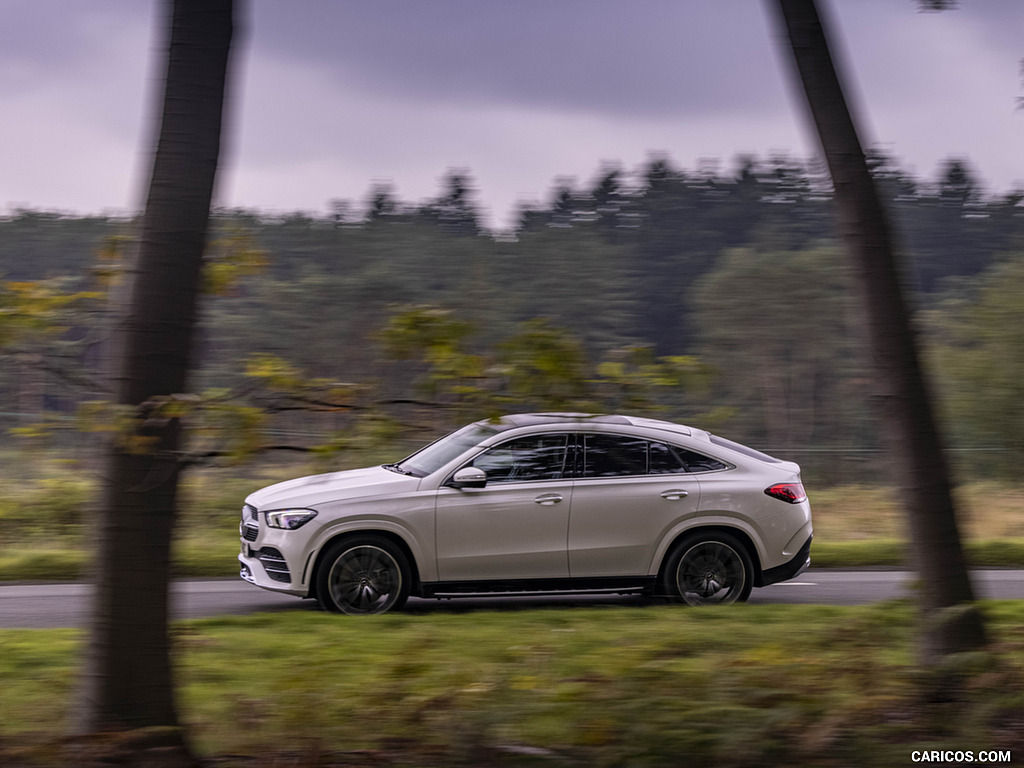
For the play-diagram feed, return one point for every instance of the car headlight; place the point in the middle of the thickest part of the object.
(290, 519)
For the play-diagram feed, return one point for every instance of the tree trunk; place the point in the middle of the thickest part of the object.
(127, 681)
(950, 622)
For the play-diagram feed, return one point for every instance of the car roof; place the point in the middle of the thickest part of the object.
(514, 420)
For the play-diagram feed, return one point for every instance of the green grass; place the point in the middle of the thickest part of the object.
(41, 563)
(204, 557)
(863, 553)
(739, 686)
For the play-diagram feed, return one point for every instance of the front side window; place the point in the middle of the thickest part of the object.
(537, 457)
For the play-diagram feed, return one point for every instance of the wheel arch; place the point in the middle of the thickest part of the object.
(736, 532)
(390, 536)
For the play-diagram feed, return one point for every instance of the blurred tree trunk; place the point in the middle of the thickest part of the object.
(951, 622)
(127, 680)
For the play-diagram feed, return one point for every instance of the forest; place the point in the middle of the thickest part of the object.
(716, 297)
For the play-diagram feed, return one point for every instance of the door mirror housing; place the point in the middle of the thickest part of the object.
(468, 477)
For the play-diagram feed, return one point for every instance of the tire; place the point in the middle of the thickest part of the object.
(363, 575)
(709, 569)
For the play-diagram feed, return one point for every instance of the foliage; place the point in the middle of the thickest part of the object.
(792, 383)
(45, 509)
(32, 310)
(435, 339)
(230, 258)
(540, 366)
(979, 356)
(543, 363)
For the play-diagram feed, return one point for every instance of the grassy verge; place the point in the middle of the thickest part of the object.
(866, 553)
(208, 557)
(740, 686)
(212, 558)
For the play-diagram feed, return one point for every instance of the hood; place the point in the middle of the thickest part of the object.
(334, 486)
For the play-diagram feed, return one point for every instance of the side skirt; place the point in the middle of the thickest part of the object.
(644, 584)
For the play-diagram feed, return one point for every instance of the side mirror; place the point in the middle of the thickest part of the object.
(468, 477)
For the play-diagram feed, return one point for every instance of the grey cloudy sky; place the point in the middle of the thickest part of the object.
(333, 96)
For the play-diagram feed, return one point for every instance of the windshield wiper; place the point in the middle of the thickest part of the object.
(398, 469)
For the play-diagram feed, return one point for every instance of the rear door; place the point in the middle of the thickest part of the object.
(629, 492)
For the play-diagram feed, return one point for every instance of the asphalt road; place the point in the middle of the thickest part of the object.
(47, 605)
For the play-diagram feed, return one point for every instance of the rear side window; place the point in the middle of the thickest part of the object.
(614, 456)
(665, 460)
(697, 462)
(620, 456)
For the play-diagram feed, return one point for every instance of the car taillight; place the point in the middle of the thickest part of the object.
(790, 492)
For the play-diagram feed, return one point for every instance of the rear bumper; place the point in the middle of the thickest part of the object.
(800, 562)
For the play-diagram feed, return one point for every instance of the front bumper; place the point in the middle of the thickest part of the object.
(271, 558)
(267, 568)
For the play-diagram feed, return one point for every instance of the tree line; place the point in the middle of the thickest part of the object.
(738, 271)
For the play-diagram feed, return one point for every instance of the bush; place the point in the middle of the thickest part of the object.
(52, 506)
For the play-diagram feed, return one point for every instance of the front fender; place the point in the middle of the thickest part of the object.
(424, 560)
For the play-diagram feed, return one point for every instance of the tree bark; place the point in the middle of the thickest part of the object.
(127, 681)
(950, 622)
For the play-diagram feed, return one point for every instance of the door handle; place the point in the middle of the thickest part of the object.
(547, 499)
(675, 494)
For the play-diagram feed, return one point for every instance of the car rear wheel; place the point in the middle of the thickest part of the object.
(709, 569)
(363, 575)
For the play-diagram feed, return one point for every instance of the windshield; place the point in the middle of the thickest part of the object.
(434, 456)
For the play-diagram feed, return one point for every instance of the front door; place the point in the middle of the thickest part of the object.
(517, 525)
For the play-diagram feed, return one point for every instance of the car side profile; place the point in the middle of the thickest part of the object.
(536, 503)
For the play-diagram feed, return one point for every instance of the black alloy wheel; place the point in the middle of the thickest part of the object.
(709, 569)
(363, 575)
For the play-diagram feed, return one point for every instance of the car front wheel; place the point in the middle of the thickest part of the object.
(709, 569)
(363, 575)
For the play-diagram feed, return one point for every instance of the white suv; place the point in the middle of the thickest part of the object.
(536, 503)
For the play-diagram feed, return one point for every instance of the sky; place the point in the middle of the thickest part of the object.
(333, 97)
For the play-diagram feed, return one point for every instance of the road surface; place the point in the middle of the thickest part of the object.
(47, 605)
